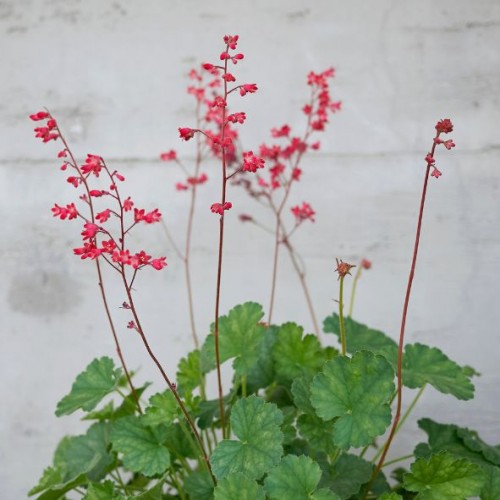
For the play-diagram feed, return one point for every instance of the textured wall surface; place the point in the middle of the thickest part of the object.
(114, 73)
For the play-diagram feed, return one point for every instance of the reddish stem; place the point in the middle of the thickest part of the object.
(100, 280)
(403, 326)
(219, 263)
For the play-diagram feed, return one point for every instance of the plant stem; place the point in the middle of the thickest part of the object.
(99, 276)
(403, 325)
(402, 421)
(165, 376)
(353, 291)
(303, 283)
(219, 262)
(341, 315)
(400, 459)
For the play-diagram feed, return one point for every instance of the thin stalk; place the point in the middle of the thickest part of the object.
(100, 280)
(399, 459)
(165, 376)
(219, 262)
(341, 315)
(278, 211)
(403, 325)
(402, 421)
(303, 283)
(353, 291)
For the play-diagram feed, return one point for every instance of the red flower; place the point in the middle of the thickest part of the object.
(88, 251)
(68, 212)
(249, 88)
(186, 133)
(284, 131)
(74, 180)
(303, 213)
(430, 159)
(251, 163)
(436, 173)
(237, 117)
(168, 156)
(231, 41)
(139, 214)
(444, 126)
(93, 164)
(151, 217)
(181, 187)
(128, 204)
(159, 264)
(140, 259)
(218, 208)
(89, 230)
(366, 264)
(121, 256)
(449, 144)
(103, 216)
(41, 115)
(108, 246)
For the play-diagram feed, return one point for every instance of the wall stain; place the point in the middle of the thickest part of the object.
(43, 293)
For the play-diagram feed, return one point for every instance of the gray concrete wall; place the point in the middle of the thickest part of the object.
(114, 75)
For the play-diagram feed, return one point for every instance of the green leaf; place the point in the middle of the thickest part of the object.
(491, 488)
(99, 379)
(428, 365)
(357, 392)
(295, 477)
(237, 486)
(262, 373)
(390, 496)
(257, 425)
(458, 441)
(179, 443)
(162, 409)
(102, 491)
(444, 476)
(57, 491)
(199, 485)
(51, 476)
(102, 414)
(359, 337)
(347, 475)
(87, 454)
(318, 433)
(142, 447)
(295, 356)
(129, 405)
(301, 390)
(288, 428)
(240, 336)
(154, 493)
(472, 440)
(189, 374)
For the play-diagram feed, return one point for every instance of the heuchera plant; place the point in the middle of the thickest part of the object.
(299, 419)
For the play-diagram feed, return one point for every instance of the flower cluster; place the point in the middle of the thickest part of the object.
(303, 212)
(99, 240)
(442, 127)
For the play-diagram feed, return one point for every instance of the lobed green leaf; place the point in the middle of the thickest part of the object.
(357, 393)
(294, 355)
(237, 486)
(257, 426)
(297, 478)
(240, 336)
(428, 365)
(360, 337)
(96, 381)
(142, 447)
(444, 477)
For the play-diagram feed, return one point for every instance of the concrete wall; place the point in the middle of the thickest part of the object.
(114, 75)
